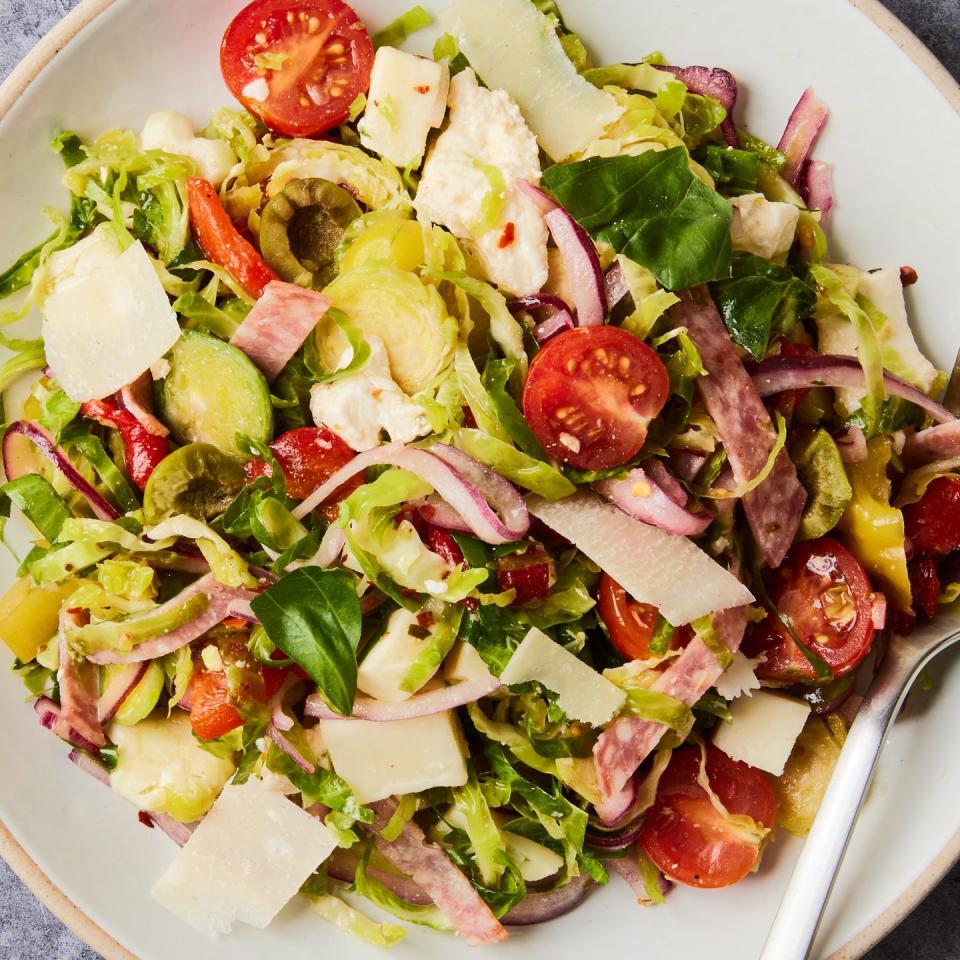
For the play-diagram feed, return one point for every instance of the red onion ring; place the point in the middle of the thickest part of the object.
(803, 129)
(582, 265)
(640, 496)
(223, 602)
(278, 718)
(289, 749)
(667, 482)
(48, 713)
(119, 688)
(712, 82)
(541, 907)
(616, 840)
(331, 546)
(541, 198)
(90, 766)
(504, 520)
(559, 316)
(14, 468)
(792, 373)
(817, 189)
(77, 685)
(629, 870)
(686, 464)
(421, 705)
(342, 865)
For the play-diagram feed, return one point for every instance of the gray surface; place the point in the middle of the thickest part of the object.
(29, 932)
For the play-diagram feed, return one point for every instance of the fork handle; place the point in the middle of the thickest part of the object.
(798, 919)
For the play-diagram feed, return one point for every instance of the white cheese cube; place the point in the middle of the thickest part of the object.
(764, 227)
(107, 328)
(514, 47)
(465, 663)
(245, 861)
(408, 96)
(387, 665)
(582, 693)
(379, 760)
(172, 132)
(764, 728)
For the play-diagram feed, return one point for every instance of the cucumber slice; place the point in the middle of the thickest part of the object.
(213, 393)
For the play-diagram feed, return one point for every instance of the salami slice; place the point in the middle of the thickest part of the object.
(136, 398)
(629, 741)
(936, 443)
(78, 692)
(279, 322)
(773, 509)
(430, 867)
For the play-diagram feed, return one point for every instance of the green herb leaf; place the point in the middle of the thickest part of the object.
(653, 209)
(313, 616)
(393, 34)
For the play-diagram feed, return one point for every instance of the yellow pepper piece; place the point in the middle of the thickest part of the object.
(29, 615)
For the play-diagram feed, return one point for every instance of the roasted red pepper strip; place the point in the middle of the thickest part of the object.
(142, 450)
(222, 243)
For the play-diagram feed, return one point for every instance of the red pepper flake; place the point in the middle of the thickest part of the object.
(423, 88)
(908, 276)
(508, 236)
(426, 619)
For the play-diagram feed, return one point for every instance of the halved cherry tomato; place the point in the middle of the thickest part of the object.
(221, 242)
(630, 623)
(309, 456)
(591, 394)
(298, 65)
(823, 590)
(211, 715)
(933, 523)
(685, 835)
(528, 573)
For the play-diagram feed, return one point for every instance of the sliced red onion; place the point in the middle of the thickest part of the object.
(14, 467)
(640, 496)
(136, 398)
(48, 713)
(712, 82)
(77, 683)
(90, 766)
(118, 689)
(507, 523)
(792, 373)
(616, 839)
(541, 907)
(421, 705)
(290, 750)
(686, 464)
(439, 513)
(342, 865)
(667, 482)
(278, 718)
(331, 546)
(852, 444)
(803, 129)
(178, 832)
(223, 602)
(558, 318)
(614, 809)
(582, 265)
(614, 286)
(817, 189)
(543, 200)
(629, 869)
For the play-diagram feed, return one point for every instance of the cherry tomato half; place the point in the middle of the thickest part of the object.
(685, 835)
(309, 456)
(591, 394)
(630, 623)
(823, 590)
(933, 523)
(298, 65)
(528, 573)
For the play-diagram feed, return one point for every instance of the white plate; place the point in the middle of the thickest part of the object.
(894, 138)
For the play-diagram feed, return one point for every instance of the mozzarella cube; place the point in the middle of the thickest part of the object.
(408, 96)
(514, 47)
(582, 693)
(473, 168)
(172, 132)
(764, 728)
(764, 227)
(464, 664)
(361, 406)
(102, 330)
(245, 861)
(387, 664)
(380, 760)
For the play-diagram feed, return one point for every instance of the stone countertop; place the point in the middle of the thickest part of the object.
(29, 932)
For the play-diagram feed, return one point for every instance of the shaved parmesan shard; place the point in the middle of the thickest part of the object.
(245, 861)
(582, 693)
(763, 730)
(740, 678)
(653, 566)
(106, 328)
(514, 47)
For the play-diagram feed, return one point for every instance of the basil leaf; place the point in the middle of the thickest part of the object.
(760, 301)
(313, 616)
(39, 503)
(652, 209)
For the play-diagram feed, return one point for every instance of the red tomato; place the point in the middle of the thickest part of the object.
(309, 456)
(631, 623)
(687, 838)
(310, 58)
(822, 588)
(211, 716)
(221, 242)
(933, 523)
(442, 543)
(591, 394)
(528, 573)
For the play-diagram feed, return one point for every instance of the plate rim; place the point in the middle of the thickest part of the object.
(56, 900)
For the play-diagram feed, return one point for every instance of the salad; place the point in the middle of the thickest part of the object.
(454, 482)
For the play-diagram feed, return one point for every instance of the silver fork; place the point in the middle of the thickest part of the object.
(801, 910)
